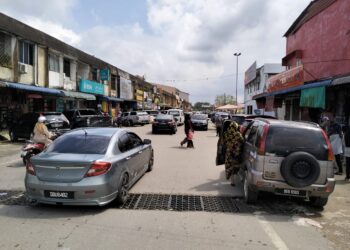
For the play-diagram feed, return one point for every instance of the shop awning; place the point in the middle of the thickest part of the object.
(313, 97)
(113, 99)
(341, 80)
(78, 95)
(324, 83)
(32, 88)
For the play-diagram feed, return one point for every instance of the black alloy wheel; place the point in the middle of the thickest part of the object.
(123, 191)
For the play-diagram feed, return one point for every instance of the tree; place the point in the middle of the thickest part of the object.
(224, 99)
(201, 106)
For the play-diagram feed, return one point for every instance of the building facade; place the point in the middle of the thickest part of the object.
(317, 78)
(256, 83)
(41, 73)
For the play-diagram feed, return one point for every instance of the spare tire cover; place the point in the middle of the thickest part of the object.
(300, 169)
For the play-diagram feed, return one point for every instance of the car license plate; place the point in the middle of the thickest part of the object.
(56, 125)
(291, 192)
(59, 194)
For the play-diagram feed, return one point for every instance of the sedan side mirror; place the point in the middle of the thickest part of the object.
(147, 141)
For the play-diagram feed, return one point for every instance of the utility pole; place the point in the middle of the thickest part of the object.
(237, 55)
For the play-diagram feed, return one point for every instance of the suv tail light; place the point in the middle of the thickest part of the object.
(98, 168)
(30, 168)
(329, 146)
(261, 149)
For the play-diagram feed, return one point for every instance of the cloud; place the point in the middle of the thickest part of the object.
(187, 44)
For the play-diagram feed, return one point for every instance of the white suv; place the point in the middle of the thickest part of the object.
(178, 115)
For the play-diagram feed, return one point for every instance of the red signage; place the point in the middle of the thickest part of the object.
(287, 79)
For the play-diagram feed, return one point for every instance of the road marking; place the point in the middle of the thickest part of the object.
(275, 238)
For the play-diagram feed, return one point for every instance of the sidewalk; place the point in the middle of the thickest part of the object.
(4, 135)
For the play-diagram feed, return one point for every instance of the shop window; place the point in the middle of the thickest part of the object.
(113, 82)
(94, 75)
(5, 50)
(54, 63)
(26, 53)
(66, 67)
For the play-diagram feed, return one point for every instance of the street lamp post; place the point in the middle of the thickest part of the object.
(237, 55)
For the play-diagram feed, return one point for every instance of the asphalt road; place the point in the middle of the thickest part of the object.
(273, 223)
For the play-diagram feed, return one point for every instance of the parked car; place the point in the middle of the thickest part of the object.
(135, 118)
(164, 123)
(89, 166)
(286, 158)
(24, 126)
(200, 121)
(178, 115)
(87, 118)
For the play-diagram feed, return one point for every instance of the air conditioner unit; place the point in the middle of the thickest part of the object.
(22, 68)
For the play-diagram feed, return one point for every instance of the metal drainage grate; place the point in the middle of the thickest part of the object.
(174, 202)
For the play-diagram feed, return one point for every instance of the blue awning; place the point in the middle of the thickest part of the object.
(32, 88)
(290, 90)
(113, 99)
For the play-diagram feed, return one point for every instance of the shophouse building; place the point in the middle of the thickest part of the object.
(255, 82)
(317, 79)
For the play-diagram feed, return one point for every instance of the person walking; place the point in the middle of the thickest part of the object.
(218, 124)
(347, 152)
(335, 135)
(233, 140)
(188, 131)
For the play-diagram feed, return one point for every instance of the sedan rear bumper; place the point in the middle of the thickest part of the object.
(98, 194)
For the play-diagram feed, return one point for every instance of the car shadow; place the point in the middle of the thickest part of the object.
(179, 147)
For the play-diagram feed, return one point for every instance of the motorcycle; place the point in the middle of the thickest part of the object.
(32, 148)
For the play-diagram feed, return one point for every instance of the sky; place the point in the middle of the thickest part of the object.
(188, 44)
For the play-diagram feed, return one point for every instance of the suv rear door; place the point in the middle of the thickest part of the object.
(250, 153)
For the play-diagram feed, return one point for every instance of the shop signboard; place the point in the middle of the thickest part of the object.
(287, 79)
(104, 74)
(126, 89)
(59, 105)
(250, 74)
(88, 86)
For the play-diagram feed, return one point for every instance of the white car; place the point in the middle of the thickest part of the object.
(178, 115)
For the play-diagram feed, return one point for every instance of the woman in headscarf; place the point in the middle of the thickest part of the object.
(188, 131)
(41, 133)
(233, 140)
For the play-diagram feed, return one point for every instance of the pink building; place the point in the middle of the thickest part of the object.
(317, 59)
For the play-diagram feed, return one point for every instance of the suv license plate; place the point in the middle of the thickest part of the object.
(291, 192)
(59, 194)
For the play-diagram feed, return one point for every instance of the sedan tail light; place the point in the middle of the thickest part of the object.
(98, 168)
(29, 167)
(329, 146)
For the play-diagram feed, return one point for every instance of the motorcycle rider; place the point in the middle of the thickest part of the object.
(41, 133)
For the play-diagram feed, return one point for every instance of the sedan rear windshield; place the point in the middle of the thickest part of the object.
(284, 140)
(87, 112)
(80, 144)
(199, 117)
(175, 113)
(164, 117)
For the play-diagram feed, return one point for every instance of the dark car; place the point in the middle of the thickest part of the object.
(164, 123)
(199, 121)
(23, 127)
(87, 118)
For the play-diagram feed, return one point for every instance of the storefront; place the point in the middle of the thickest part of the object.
(73, 99)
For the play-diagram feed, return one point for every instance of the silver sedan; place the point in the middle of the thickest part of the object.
(91, 166)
